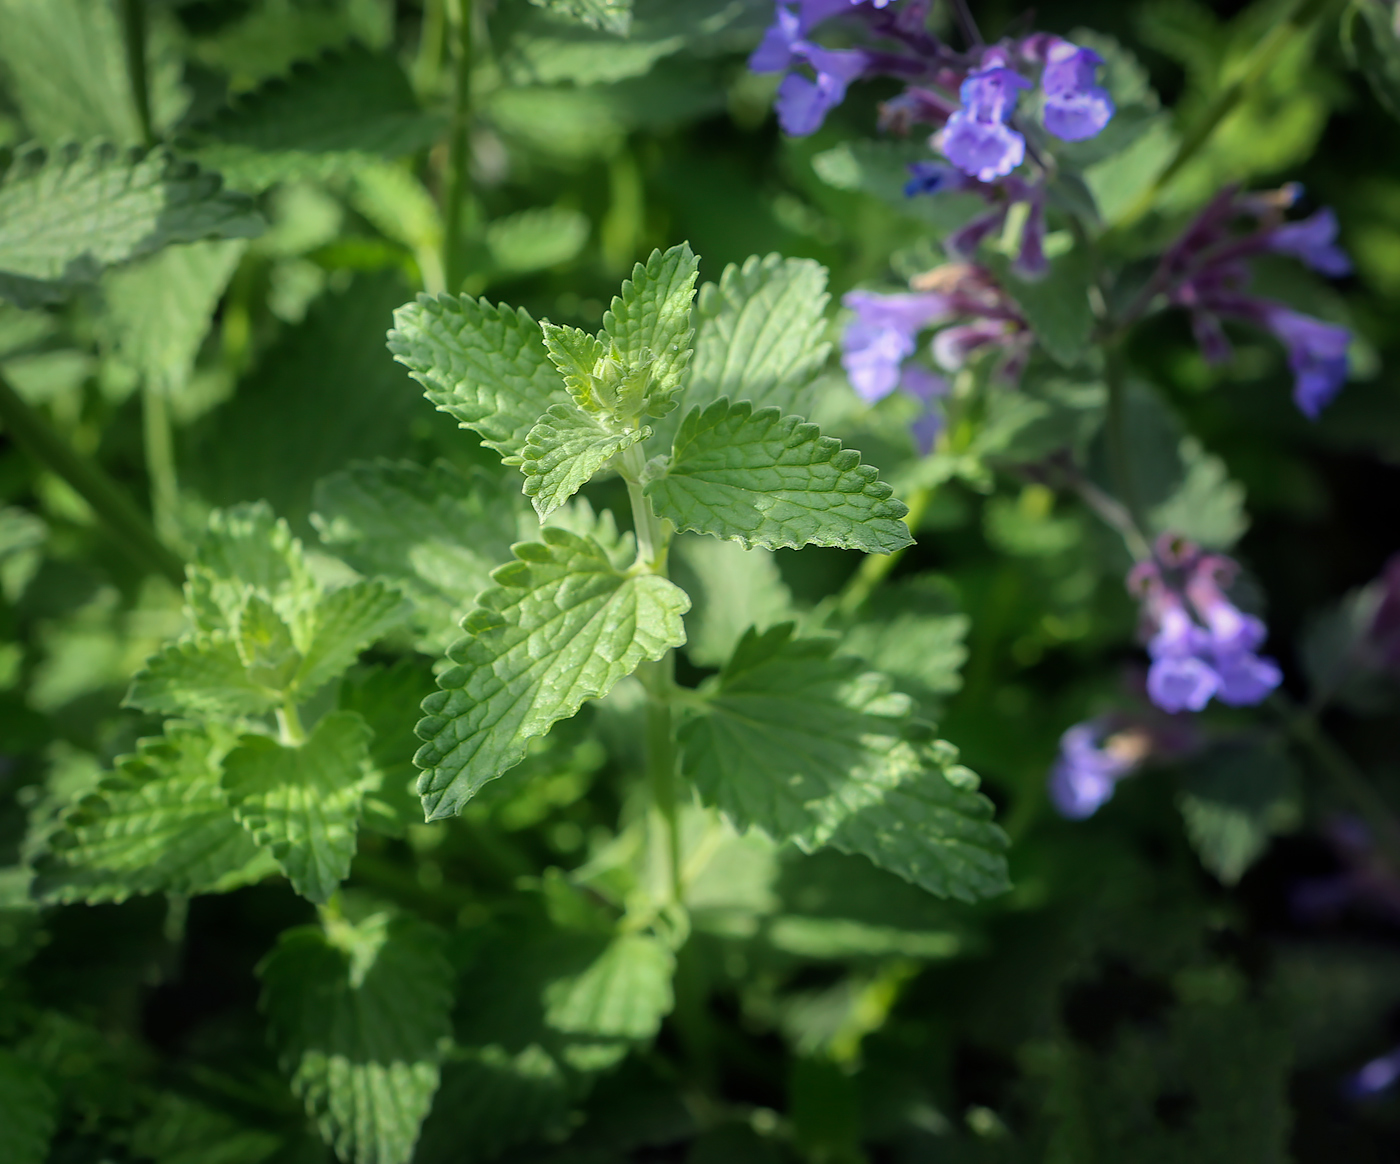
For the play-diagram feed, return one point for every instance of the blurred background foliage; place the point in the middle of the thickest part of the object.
(1147, 992)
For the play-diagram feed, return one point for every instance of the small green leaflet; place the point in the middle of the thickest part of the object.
(436, 532)
(359, 1014)
(576, 354)
(810, 748)
(247, 548)
(768, 480)
(265, 644)
(562, 625)
(203, 676)
(760, 334)
(66, 215)
(609, 15)
(486, 366)
(302, 802)
(650, 319)
(1235, 799)
(28, 1111)
(157, 824)
(564, 450)
(326, 117)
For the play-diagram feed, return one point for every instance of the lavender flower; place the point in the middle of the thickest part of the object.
(977, 139)
(1206, 272)
(881, 337)
(1090, 764)
(1075, 107)
(802, 102)
(925, 387)
(1202, 646)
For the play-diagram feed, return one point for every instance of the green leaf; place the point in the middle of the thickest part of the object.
(157, 312)
(157, 824)
(265, 644)
(810, 748)
(536, 239)
(179, 1130)
(576, 354)
(1057, 306)
(302, 802)
(328, 116)
(344, 623)
(760, 334)
(562, 625)
(764, 479)
(1207, 506)
(609, 15)
(731, 589)
(324, 393)
(246, 548)
(65, 216)
(202, 677)
(914, 634)
(563, 452)
(1235, 800)
(66, 68)
(358, 1015)
(1372, 44)
(436, 532)
(28, 1112)
(649, 321)
(485, 366)
(387, 699)
(623, 994)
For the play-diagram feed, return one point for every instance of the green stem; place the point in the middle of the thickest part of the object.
(1335, 763)
(108, 500)
(458, 151)
(1260, 60)
(428, 66)
(159, 445)
(876, 567)
(134, 30)
(659, 678)
(289, 724)
(1120, 462)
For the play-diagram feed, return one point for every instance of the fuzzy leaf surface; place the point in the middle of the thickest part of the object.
(327, 116)
(358, 1016)
(760, 334)
(764, 479)
(575, 353)
(484, 365)
(436, 532)
(201, 677)
(246, 548)
(302, 803)
(608, 15)
(563, 452)
(650, 317)
(28, 1112)
(811, 748)
(157, 824)
(562, 625)
(66, 215)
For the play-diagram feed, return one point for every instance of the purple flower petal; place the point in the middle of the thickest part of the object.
(1378, 1075)
(1314, 241)
(882, 335)
(1245, 678)
(778, 50)
(1086, 773)
(1317, 354)
(1181, 683)
(1075, 107)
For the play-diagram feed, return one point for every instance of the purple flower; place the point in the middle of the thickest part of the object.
(1075, 107)
(1090, 764)
(1203, 647)
(925, 387)
(931, 178)
(1377, 1076)
(1314, 241)
(881, 337)
(1317, 353)
(802, 102)
(977, 139)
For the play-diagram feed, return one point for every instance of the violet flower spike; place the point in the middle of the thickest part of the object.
(1075, 107)
(977, 139)
(803, 103)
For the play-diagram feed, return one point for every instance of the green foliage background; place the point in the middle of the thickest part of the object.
(1143, 992)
